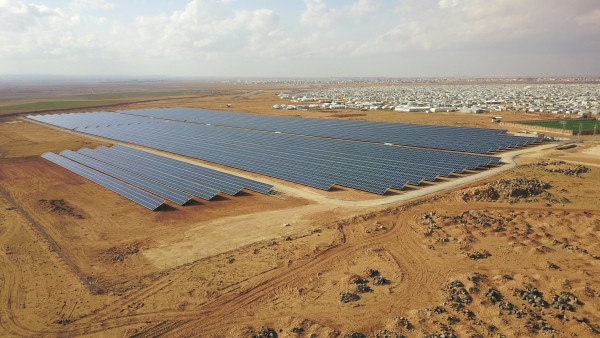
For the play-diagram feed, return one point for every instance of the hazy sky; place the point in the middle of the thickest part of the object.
(264, 38)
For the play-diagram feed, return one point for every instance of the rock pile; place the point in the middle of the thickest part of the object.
(372, 273)
(493, 295)
(404, 323)
(429, 222)
(363, 288)
(457, 292)
(380, 280)
(559, 167)
(511, 308)
(532, 295)
(265, 332)
(565, 301)
(355, 334)
(347, 297)
(511, 190)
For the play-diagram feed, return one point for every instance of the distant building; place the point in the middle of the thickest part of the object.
(443, 109)
(411, 109)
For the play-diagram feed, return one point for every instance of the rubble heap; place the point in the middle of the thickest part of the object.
(511, 190)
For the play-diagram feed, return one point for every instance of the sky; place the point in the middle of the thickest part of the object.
(301, 38)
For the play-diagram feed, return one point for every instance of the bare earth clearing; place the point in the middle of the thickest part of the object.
(481, 258)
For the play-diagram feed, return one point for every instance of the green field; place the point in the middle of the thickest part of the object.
(47, 105)
(573, 124)
(89, 100)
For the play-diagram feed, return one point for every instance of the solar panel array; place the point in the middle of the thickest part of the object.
(122, 168)
(473, 140)
(138, 196)
(316, 162)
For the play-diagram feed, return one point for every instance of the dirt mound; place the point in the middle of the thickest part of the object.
(61, 207)
(513, 190)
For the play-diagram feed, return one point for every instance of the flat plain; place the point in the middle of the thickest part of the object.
(78, 260)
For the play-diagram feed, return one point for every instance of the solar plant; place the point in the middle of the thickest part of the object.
(312, 161)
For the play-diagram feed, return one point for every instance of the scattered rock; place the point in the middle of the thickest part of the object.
(63, 321)
(355, 334)
(589, 292)
(447, 334)
(537, 324)
(61, 207)
(476, 255)
(388, 334)
(120, 253)
(476, 278)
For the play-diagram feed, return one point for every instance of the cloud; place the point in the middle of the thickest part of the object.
(317, 14)
(94, 4)
(479, 25)
(590, 19)
(19, 16)
(205, 29)
(363, 7)
(317, 37)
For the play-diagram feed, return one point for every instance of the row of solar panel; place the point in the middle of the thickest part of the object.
(316, 162)
(141, 197)
(477, 140)
(164, 177)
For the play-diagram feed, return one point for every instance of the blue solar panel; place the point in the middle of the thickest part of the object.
(152, 173)
(136, 195)
(477, 140)
(157, 189)
(312, 161)
(222, 180)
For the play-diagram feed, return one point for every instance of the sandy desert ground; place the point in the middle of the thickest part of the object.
(515, 254)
